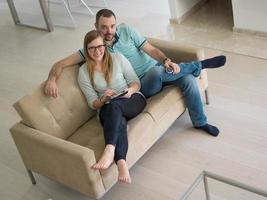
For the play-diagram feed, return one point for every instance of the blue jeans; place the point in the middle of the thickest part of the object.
(156, 77)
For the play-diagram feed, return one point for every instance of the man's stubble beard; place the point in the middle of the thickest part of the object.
(109, 37)
(109, 41)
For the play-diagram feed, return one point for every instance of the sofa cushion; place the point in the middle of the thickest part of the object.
(59, 116)
(90, 135)
(139, 126)
(159, 104)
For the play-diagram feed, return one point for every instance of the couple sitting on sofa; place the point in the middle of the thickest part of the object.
(119, 59)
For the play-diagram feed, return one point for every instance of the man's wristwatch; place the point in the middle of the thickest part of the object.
(166, 60)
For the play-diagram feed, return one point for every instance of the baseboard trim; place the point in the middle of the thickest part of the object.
(250, 32)
(195, 8)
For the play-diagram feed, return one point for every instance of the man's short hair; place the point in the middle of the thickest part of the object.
(104, 13)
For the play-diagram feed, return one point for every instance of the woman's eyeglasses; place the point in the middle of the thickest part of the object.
(93, 49)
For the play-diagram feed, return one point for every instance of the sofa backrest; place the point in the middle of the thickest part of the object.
(177, 52)
(59, 116)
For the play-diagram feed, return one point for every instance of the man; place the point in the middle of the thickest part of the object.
(150, 65)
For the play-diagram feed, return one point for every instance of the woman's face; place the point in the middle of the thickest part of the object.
(96, 49)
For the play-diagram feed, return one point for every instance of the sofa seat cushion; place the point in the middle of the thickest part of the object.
(90, 135)
(159, 104)
(140, 126)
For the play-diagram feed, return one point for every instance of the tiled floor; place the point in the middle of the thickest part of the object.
(237, 91)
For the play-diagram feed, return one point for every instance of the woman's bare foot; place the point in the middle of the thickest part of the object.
(124, 175)
(106, 158)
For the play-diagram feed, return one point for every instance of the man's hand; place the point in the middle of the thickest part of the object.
(169, 64)
(158, 55)
(51, 88)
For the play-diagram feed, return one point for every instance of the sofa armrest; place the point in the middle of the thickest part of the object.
(176, 52)
(58, 159)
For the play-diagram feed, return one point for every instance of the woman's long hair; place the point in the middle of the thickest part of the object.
(107, 60)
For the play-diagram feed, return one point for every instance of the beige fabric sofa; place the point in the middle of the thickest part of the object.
(61, 138)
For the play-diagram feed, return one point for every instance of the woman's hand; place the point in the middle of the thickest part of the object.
(133, 88)
(130, 92)
(107, 95)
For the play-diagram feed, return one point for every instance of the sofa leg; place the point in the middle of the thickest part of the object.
(31, 176)
(207, 97)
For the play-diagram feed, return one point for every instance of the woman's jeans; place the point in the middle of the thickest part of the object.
(156, 77)
(114, 116)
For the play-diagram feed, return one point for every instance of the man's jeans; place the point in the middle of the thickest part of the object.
(156, 77)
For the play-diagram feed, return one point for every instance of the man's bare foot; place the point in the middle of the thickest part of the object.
(124, 175)
(106, 158)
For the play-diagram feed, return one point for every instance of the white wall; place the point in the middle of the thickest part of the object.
(250, 14)
(179, 7)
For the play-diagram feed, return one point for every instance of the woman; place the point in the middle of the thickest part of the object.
(103, 76)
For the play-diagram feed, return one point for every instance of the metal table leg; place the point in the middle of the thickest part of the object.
(48, 22)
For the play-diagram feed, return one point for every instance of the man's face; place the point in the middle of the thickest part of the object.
(107, 27)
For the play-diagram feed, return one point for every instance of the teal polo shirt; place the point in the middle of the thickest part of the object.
(130, 43)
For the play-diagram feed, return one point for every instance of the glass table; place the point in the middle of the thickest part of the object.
(210, 186)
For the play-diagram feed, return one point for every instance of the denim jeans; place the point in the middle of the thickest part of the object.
(114, 116)
(156, 77)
